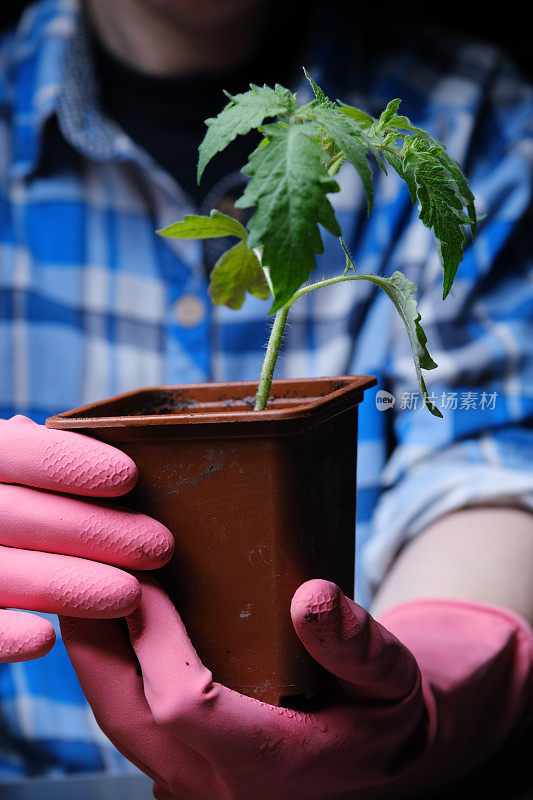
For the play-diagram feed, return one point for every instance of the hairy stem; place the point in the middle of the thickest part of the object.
(271, 356)
(276, 336)
(350, 266)
(327, 282)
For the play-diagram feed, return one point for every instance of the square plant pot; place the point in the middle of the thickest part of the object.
(258, 503)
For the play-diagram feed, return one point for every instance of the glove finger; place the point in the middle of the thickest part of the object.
(65, 585)
(185, 700)
(364, 656)
(37, 520)
(97, 648)
(171, 666)
(62, 461)
(24, 637)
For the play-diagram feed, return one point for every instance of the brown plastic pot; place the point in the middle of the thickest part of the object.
(258, 502)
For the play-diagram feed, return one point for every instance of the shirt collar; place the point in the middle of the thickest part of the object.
(53, 75)
(37, 58)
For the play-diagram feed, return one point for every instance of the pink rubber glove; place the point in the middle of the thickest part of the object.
(391, 721)
(51, 544)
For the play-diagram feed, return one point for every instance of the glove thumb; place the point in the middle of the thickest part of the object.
(363, 655)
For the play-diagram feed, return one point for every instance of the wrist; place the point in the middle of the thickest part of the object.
(476, 662)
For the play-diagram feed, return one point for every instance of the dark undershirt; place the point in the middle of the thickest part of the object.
(166, 115)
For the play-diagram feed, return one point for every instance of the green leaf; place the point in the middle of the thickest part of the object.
(245, 112)
(441, 203)
(288, 184)
(346, 136)
(389, 113)
(400, 290)
(363, 119)
(462, 184)
(402, 123)
(236, 272)
(446, 203)
(319, 94)
(195, 226)
(406, 174)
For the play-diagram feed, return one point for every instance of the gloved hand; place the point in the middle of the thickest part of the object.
(51, 544)
(391, 721)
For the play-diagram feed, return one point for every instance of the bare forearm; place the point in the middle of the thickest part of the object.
(483, 554)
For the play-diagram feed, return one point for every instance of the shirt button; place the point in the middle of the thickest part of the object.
(189, 310)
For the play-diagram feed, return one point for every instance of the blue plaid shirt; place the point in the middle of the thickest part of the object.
(92, 303)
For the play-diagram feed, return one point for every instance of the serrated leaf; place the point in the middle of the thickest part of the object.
(400, 290)
(363, 119)
(195, 226)
(433, 178)
(441, 205)
(347, 138)
(389, 113)
(322, 99)
(404, 123)
(373, 148)
(366, 123)
(245, 112)
(454, 168)
(236, 272)
(288, 185)
(406, 174)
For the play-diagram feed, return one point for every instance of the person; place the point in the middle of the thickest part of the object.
(102, 107)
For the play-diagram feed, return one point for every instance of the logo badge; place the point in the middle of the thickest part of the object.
(384, 400)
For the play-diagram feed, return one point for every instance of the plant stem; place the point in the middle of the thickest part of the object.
(271, 356)
(327, 282)
(276, 334)
(350, 266)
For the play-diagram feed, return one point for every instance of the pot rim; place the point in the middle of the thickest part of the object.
(344, 390)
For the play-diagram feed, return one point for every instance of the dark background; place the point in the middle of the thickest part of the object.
(502, 24)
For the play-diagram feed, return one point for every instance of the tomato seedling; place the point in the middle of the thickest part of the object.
(291, 174)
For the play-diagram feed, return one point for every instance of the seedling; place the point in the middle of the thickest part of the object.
(291, 174)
